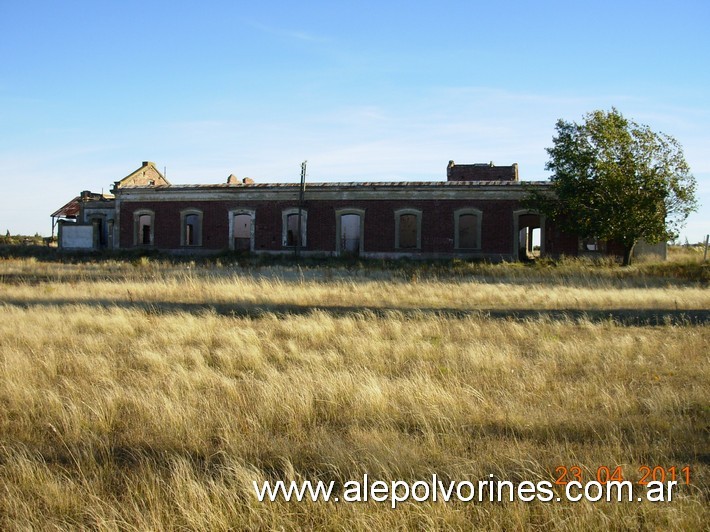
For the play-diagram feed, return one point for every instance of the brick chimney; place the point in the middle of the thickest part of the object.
(481, 172)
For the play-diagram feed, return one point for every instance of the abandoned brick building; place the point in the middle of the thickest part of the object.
(476, 213)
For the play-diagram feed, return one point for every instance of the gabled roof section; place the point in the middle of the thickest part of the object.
(145, 176)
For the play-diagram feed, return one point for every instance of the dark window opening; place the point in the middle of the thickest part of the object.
(192, 230)
(292, 230)
(145, 223)
(468, 231)
(99, 234)
(408, 231)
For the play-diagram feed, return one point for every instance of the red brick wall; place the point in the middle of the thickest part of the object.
(437, 223)
(557, 242)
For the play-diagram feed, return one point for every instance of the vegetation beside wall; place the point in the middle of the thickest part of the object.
(684, 263)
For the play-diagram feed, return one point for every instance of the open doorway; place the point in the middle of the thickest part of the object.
(99, 232)
(242, 230)
(529, 232)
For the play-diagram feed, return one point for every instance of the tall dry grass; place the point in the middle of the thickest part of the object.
(289, 288)
(133, 418)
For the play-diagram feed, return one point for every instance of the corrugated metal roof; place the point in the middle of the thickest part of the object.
(70, 210)
(73, 207)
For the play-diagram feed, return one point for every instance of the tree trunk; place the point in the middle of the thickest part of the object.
(628, 250)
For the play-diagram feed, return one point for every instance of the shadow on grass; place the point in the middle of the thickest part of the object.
(623, 316)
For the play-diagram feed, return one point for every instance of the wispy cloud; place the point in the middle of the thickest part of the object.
(298, 35)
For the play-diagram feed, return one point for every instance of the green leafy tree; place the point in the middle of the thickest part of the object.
(617, 180)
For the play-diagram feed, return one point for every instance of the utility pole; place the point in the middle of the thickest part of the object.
(301, 194)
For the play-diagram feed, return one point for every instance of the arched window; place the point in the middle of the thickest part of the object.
(408, 229)
(191, 227)
(241, 229)
(467, 227)
(349, 231)
(143, 228)
(289, 223)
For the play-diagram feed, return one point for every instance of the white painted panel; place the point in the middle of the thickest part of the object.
(77, 236)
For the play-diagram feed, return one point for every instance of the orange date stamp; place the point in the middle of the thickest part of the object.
(604, 474)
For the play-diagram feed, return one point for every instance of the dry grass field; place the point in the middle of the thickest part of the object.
(149, 395)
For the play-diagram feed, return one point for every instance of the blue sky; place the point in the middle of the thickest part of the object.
(362, 90)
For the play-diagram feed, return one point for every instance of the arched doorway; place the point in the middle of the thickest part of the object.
(241, 225)
(528, 235)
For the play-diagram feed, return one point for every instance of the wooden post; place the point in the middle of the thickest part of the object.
(705, 255)
(301, 194)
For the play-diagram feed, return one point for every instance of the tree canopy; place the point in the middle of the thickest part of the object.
(617, 180)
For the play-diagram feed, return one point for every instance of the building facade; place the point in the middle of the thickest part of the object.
(477, 213)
